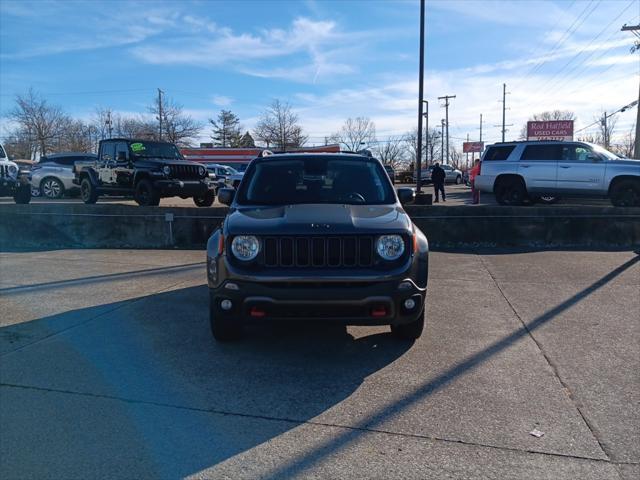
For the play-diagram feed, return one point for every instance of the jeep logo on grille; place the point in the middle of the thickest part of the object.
(320, 225)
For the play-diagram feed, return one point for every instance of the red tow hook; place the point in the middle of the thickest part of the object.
(257, 312)
(379, 312)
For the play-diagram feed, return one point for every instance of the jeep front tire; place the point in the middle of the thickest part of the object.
(146, 194)
(411, 330)
(205, 200)
(223, 329)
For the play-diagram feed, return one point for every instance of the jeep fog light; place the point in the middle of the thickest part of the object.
(226, 304)
(390, 247)
(245, 247)
(409, 303)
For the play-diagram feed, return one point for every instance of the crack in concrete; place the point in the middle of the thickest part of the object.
(308, 422)
(548, 359)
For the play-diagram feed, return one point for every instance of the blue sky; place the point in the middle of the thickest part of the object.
(329, 59)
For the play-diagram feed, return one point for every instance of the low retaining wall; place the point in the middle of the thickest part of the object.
(123, 226)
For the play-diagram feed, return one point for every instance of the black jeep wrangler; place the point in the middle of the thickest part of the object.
(317, 237)
(146, 170)
(14, 180)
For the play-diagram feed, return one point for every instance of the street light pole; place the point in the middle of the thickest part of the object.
(420, 100)
(426, 129)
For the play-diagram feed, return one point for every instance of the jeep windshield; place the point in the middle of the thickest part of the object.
(155, 150)
(316, 180)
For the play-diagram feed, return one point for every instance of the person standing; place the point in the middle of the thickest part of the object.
(438, 176)
(473, 173)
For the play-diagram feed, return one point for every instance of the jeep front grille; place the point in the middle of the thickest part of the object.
(329, 252)
(185, 172)
(4, 171)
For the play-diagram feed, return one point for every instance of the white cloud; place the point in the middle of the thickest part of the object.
(221, 100)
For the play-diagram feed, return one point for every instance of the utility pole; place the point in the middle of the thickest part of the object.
(635, 29)
(446, 107)
(481, 122)
(109, 123)
(441, 141)
(160, 92)
(603, 122)
(466, 162)
(420, 99)
(504, 108)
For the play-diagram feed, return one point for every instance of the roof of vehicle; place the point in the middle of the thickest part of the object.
(142, 140)
(70, 154)
(297, 156)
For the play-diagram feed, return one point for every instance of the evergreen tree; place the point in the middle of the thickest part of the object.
(226, 129)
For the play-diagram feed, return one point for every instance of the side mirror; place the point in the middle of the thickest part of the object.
(406, 195)
(592, 157)
(122, 156)
(226, 195)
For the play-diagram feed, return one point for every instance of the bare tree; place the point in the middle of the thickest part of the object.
(606, 128)
(431, 145)
(355, 133)
(38, 120)
(392, 151)
(177, 127)
(226, 129)
(625, 148)
(546, 117)
(278, 127)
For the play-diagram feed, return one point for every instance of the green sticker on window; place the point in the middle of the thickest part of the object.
(137, 147)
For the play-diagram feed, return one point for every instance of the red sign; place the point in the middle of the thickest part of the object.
(471, 147)
(550, 130)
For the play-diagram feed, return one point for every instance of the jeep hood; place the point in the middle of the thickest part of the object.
(318, 219)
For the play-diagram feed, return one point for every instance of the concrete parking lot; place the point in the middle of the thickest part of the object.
(107, 370)
(456, 195)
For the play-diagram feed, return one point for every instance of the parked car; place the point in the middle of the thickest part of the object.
(391, 172)
(222, 172)
(146, 170)
(317, 237)
(453, 175)
(14, 180)
(52, 176)
(533, 170)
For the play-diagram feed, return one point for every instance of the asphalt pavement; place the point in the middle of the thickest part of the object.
(108, 370)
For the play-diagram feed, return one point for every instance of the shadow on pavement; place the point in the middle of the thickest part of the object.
(154, 363)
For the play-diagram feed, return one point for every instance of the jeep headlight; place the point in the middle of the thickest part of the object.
(166, 170)
(390, 247)
(202, 170)
(13, 170)
(245, 247)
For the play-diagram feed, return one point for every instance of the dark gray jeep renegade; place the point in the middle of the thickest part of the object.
(317, 237)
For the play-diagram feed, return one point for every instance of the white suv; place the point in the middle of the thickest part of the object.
(14, 181)
(521, 171)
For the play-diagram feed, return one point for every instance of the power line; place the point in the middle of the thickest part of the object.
(97, 92)
(550, 82)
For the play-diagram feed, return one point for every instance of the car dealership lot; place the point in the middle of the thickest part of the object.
(108, 370)
(456, 195)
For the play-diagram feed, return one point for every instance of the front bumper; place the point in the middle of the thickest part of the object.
(183, 188)
(352, 303)
(8, 186)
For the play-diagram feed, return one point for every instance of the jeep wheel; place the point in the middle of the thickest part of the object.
(223, 329)
(146, 195)
(626, 193)
(511, 192)
(22, 194)
(409, 331)
(51, 188)
(88, 192)
(206, 200)
(458, 180)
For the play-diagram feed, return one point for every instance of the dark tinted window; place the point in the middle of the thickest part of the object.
(498, 153)
(108, 151)
(2, 154)
(316, 180)
(122, 147)
(155, 150)
(542, 152)
(67, 161)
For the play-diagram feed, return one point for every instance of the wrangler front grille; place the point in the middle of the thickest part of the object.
(185, 172)
(4, 171)
(330, 252)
